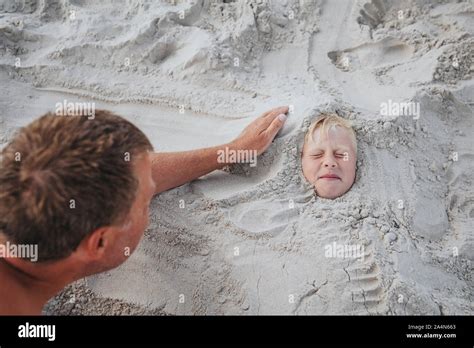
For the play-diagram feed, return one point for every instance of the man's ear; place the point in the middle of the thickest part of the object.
(94, 245)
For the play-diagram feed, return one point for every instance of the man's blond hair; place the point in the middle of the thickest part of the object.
(326, 121)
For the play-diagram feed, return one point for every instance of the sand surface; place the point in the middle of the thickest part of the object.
(253, 240)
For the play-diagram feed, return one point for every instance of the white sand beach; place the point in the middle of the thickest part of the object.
(255, 240)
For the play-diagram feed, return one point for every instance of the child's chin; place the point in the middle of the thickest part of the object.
(328, 194)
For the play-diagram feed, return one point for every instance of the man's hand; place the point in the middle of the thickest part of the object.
(259, 134)
(172, 169)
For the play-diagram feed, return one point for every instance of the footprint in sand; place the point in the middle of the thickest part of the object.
(370, 55)
(373, 13)
(263, 216)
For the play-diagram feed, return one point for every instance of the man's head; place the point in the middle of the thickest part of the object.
(329, 156)
(78, 188)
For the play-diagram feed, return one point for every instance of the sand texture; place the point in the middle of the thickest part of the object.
(252, 240)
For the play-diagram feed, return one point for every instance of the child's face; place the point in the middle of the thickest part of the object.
(329, 162)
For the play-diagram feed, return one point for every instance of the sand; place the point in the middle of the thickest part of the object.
(254, 240)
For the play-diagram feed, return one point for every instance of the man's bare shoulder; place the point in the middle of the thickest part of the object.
(14, 299)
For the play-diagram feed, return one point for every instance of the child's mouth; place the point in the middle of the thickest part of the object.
(330, 177)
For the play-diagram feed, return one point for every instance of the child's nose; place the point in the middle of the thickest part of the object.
(329, 161)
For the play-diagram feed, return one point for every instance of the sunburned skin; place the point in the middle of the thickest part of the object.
(329, 162)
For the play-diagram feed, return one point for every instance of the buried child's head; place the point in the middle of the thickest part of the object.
(329, 156)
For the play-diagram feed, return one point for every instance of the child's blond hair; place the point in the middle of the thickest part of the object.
(326, 121)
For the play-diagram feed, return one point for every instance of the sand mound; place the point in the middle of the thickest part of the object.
(256, 240)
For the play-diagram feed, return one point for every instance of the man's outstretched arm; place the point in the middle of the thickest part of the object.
(172, 169)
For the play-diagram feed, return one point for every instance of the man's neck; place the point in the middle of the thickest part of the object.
(22, 291)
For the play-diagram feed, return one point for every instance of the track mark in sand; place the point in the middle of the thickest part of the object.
(258, 294)
(325, 40)
(369, 55)
(141, 105)
(107, 99)
(313, 291)
(365, 277)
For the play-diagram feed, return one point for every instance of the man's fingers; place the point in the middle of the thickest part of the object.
(267, 121)
(276, 111)
(275, 125)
